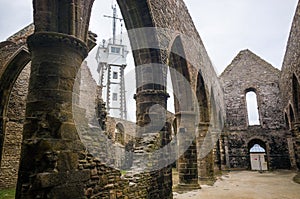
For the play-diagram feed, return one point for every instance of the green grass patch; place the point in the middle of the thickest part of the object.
(7, 193)
(123, 172)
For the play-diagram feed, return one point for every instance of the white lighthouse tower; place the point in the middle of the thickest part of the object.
(111, 59)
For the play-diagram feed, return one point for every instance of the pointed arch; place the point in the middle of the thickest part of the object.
(180, 77)
(291, 116)
(296, 95)
(201, 94)
(10, 74)
(120, 133)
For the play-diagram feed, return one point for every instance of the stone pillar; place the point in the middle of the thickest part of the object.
(222, 153)
(296, 135)
(226, 150)
(51, 145)
(205, 154)
(216, 151)
(187, 162)
(153, 135)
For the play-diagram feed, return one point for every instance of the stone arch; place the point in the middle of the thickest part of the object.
(291, 116)
(257, 140)
(201, 93)
(286, 120)
(120, 133)
(179, 76)
(145, 46)
(13, 92)
(8, 78)
(204, 162)
(296, 95)
(261, 142)
(184, 112)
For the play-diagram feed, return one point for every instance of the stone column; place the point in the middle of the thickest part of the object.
(51, 146)
(226, 149)
(216, 151)
(152, 135)
(222, 151)
(187, 163)
(205, 154)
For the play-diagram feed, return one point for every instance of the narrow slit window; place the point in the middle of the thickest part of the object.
(115, 75)
(252, 108)
(115, 97)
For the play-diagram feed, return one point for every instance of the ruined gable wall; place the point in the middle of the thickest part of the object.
(249, 71)
(246, 71)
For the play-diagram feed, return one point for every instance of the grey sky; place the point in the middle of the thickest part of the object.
(225, 26)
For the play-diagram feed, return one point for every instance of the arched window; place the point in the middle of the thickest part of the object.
(119, 133)
(292, 116)
(252, 108)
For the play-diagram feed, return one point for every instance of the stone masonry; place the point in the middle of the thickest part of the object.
(289, 85)
(66, 157)
(248, 72)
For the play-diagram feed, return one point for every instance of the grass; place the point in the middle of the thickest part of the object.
(123, 172)
(7, 193)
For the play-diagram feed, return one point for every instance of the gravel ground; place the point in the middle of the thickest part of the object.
(248, 185)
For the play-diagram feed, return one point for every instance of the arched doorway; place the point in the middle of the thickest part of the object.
(258, 155)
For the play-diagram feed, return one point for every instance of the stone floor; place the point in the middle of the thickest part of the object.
(248, 185)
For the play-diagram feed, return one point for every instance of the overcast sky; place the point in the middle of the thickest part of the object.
(225, 26)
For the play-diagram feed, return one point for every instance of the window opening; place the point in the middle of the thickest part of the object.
(115, 97)
(252, 108)
(115, 50)
(115, 75)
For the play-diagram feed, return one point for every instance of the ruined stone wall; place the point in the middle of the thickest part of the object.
(277, 153)
(248, 72)
(289, 86)
(129, 128)
(291, 62)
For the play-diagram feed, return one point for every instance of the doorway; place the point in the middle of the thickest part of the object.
(257, 158)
